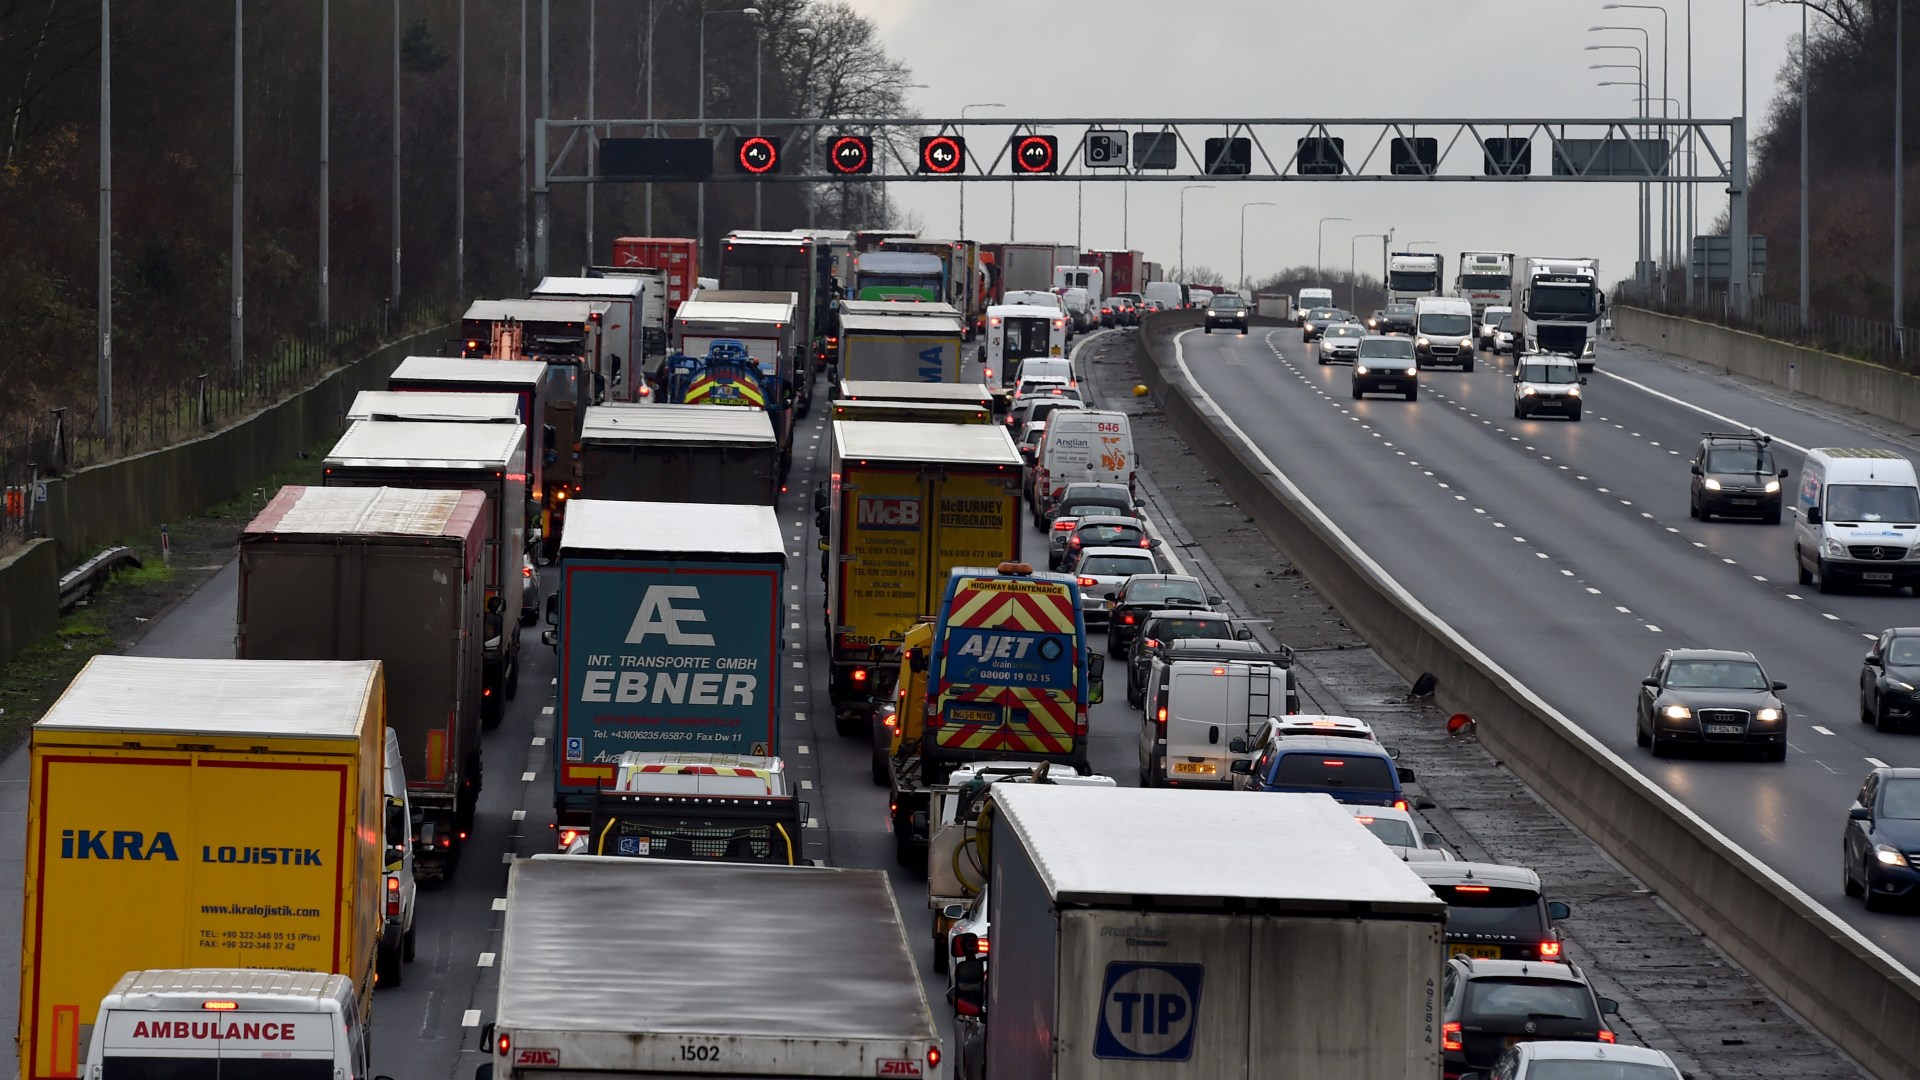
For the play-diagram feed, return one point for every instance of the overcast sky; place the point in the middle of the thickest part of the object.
(1463, 59)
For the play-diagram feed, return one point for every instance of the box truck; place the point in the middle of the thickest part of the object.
(394, 575)
(1136, 931)
(622, 330)
(197, 813)
(668, 620)
(915, 342)
(680, 454)
(548, 476)
(791, 971)
(678, 257)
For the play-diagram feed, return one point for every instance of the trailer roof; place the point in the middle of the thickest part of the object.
(624, 945)
(963, 393)
(380, 511)
(162, 989)
(469, 369)
(427, 444)
(304, 698)
(885, 440)
(736, 305)
(1093, 846)
(658, 527)
(619, 288)
(536, 311)
(880, 261)
(451, 406)
(919, 309)
(896, 322)
(677, 423)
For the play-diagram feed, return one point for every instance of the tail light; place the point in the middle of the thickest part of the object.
(1160, 717)
(1062, 526)
(933, 1057)
(1450, 1036)
(1087, 582)
(1399, 804)
(1150, 643)
(961, 1007)
(1126, 619)
(989, 373)
(1080, 724)
(892, 720)
(1549, 950)
(982, 948)
(1145, 542)
(393, 896)
(526, 571)
(1075, 542)
(1608, 1036)
(567, 837)
(859, 674)
(503, 1044)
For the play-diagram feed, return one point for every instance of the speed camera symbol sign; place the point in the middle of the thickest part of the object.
(1107, 149)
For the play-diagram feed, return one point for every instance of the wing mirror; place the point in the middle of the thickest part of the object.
(1392, 752)
(553, 609)
(1214, 601)
(1243, 634)
(1872, 660)
(1779, 685)
(1814, 516)
(1405, 774)
(550, 638)
(1609, 1006)
(1650, 682)
(1240, 766)
(1430, 839)
(954, 911)
(1558, 910)
(1583, 380)
(1695, 469)
(969, 991)
(1783, 474)
(1859, 813)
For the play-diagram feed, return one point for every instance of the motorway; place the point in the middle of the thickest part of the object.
(1565, 552)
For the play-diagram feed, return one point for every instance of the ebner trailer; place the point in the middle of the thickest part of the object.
(655, 968)
(914, 342)
(680, 454)
(394, 575)
(197, 813)
(1131, 935)
(668, 621)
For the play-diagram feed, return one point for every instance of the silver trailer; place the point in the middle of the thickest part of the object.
(680, 454)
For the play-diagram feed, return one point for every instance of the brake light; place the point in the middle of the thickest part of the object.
(393, 896)
(1400, 804)
(1471, 888)
(1450, 1036)
(1223, 671)
(982, 948)
(1364, 820)
(568, 836)
(1607, 1036)
(1333, 763)
(1549, 950)
(526, 571)
(860, 674)
(1150, 643)
(1160, 717)
(1075, 542)
(995, 321)
(1127, 619)
(1080, 724)
(1146, 542)
(1087, 582)
(1062, 526)
(933, 1057)
(892, 720)
(504, 1043)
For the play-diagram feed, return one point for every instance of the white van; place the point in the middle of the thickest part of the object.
(1857, 519)
(1310, 299)
(254, 1022)
(1444, 332)
(1091, 278)
(1171, 294)
(1017, 332)
(1082, 446)
(1206, 697)
(396, 929)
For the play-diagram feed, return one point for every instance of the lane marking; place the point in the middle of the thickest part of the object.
(486, 959)
(519, 815)
(526, 777)
(1690, 405)
(546, 710)
(499, 903)
(1876, 763)
(1651, 627)
(539, 740)
(1821, 730)
(470, 1018)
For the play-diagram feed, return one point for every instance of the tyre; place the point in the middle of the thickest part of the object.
(1773, 516)
(1874, 903)
(1323, 359)
(1880, 718)
(1413, 394)
(1518, 413)
(386, 967)
(881, 774)
(490, 712)
(1357, 392)
(528, 618)
(1847, 884)
(1867, 712)
(1776, 753)
(1657, 744)
(1467, 364)
(1693, 507)
(1824, 580)
(939, 951)
(1575, 414)
(1209, 330)
(1640, 735)
(1800, 568)
(406, 945)
(849, 724)
(1135, 696)
(1243, 331)
(1115, 647)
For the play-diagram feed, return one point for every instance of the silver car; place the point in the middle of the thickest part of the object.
(1341, 342)
(1103, 570)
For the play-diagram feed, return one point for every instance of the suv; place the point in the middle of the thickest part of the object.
(1145, 594)
(1227, 310)
(1736, 474)
(1489, 1005)
(1711, 697)
(1396, 319)
(1495, 912)
(1543, 383)
(1352, 771)
(1385, 365)
(1086, 499)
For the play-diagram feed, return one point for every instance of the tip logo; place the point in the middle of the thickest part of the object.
(1148, 1012)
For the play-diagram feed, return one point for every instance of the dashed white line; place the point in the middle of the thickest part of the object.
(1622, 610)
(486, 959)
(527, 777)
(470, 1018)
(499, 903)
(1830, 616)
(1821, 730)
(519, 815)
(1651, 627)
(1876, 763)
(539, 740)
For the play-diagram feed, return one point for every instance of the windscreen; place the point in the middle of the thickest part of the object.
(1536, 999)
(1479, 909)
(1346, 772)
(231, 1068)
(1872, 502)
(1488, 282)
(1155, 589)
(1027, 337)
(1092, 507)
(1386, 349)
(1187, 629)
(1904, 652)
(1549, 373)
(1044, 409)
(1715, 675)
(1446, 324)
(1899, 799)
(1115, 566)
(1399, 311)
(1549, 300)
(1111, 535)
(1345, 332)
(1502, 321)
(1226, 303)
(1390, 831)
(1413, 281)
(1748, 461)
(1556, 1069)
(1320, 313)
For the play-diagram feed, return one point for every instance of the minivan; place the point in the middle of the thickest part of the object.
(1310, 299)
(1198, 708)
(1444, 332)
(1353, 772)
(1171, 294)
(1857, 519)
(1082, 446)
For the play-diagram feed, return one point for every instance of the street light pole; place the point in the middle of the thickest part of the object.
(1640, 55)
(648, 194)
(1666, 233)
(460, 173)
(759, 58)
(1806, 277)
(1320, 245)
(1183, 225)
(593, 72)
(103, 330)
(393, 287)
(237, 330)
(700, 189)
(1243, 239)
(962, 185)
(1353, 266)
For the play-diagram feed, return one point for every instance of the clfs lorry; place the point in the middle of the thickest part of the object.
(1217, 935)
(668, 620)
(915, 342)
(488, 458)
(1557, 307)
(680, 454)
(197, 814)
(905, 504)
(565, 334)
(659, 968)
(395, 575)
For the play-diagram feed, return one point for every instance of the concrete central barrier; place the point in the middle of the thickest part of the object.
(1850, 990)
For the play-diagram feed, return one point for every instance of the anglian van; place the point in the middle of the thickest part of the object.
(1856, 519)
(1083, 446)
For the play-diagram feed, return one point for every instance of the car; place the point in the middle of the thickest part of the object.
(1060, 386)
(1711, 698)
(1402, 835)
(1351, 771)
(1890, 679)
(1493, 319)
(1229, 311)
(1104, 570)
(973, 917)
(1341, 341)
(1039, 407)
(1383, 365)
(1081, 500)
(1079, 305)
(1280, 727)
(1544, 383)
(1396, 319)
(1103, 530)
(1881, 848)
(1557, 1059)
(1318, 319)
(1374, 320)
(1487, 1006)
(1735, 473)
(1028, 443)
(1494, 911)
(1145, 594)
(1167, 627)
(529, 590)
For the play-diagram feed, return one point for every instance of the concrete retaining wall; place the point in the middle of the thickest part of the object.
(1855, 384)
(29, 596)
(1854, 994)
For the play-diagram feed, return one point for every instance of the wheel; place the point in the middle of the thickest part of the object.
(1693, 506)
(1467, 364)
(1323, 359)
(386, 968)
(406, 945)
(1880, 718)
(848, 724)
(1773, 516)
(1209, 329)
(1775, 753)
(1115, 647)
(1824, 580)
(528, 618)
(1136, 696)
(1243, 331)
(1874, 903)
(1517, 413)
(1657, 744)
(881, 773)
(939, 951)
(1357, 392)
(1413, 394)
(1575, 414)
(490, 712)
(1640, 734)
(513, 679)
(1867, 711)
(1847, 884)
(1800, 568)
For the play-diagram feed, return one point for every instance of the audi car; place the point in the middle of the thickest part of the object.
(1714, 699)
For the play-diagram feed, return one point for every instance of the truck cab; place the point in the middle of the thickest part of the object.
(725, 807)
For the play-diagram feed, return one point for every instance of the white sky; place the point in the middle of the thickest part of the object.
(1349, 58)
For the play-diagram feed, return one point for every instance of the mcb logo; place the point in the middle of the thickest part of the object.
(882, 512)
(1148, 1012)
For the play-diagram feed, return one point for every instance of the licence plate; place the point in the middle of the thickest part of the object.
(1877, 577)
(962, 715)
(1195, 768)
(1746, 502)
(1483, 952)
(1724, 729)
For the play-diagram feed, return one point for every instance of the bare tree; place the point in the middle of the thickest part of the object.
(1852, 18)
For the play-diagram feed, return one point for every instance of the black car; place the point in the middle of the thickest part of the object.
(1711, 698)
(1166, 628)
(1318, 319)
(1144, 594)
(1882, 842)
(1494, 911)
(1385, 365)
(1227, 310)
(1890, 679)
(1736, 474)
(1395, 319)
(1489, 1005)
(1083, 499)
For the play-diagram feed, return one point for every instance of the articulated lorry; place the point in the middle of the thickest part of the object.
(899, 275)
(676, 257)
(488, 458)
(197, 814)
(1557, 307)
(653, 310)
(549, 476)
(1023, 267)
(961, 259)
(655, 968)
(1412, 276)
(394, 575)
(622, 326)
(789, 262)
(435, 406)
(906, 503)
(566, 334)
(911, 342)
(680, 454)
(668, 620)
(1133, 934)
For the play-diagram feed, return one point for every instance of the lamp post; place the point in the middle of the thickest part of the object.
(1183, 225)
(1243, 239)
(963, 184)
(700, 196)
(1353, 266)
(1321, 243)
(1640, 55)
(1665, 66)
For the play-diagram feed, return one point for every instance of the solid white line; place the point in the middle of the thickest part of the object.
(1876, 763)
(1690, 405)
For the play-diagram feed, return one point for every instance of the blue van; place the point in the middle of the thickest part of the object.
(1353, 772)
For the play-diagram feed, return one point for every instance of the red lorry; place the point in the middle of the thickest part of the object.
(1125, 270)
(678, 257)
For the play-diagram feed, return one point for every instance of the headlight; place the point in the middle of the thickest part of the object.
(1889, 855)
(1710, 484)
(1677, 712)
(1772, 486)
(1900, 684)
(1416, 371)
(1767, 715)
(1834, 548)
(1422, 342)
(1359, 369)
(1527, 391)
(1466, 343)
(1573, 391)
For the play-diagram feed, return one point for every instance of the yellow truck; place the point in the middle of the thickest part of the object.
(905, 504)
(197, 814)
